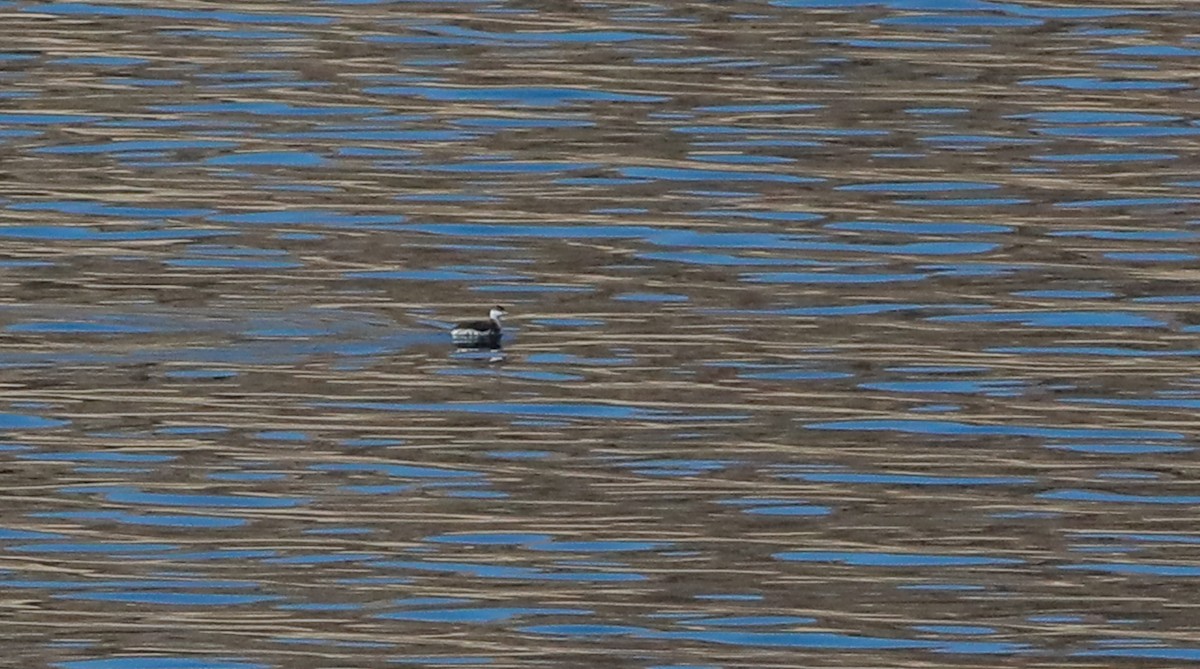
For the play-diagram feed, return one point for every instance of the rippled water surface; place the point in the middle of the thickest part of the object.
(844, 333)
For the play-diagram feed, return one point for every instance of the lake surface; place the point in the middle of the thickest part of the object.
(843, 333)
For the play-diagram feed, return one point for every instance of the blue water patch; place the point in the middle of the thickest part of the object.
(268, 159)
(97, 208)
(1059, 619)
(848, 310)
(367, 443)
(1150, 257)
(955, 629)
(256, 35)
(512, 572)
(1150, 50)
(1104, 157)
(1131, 235)
(193, 429)
(32, 118)
(201, 374)
(101, 61)
(570, 359)
(880, 559)
(1155, 569)
(478, 614)
(529, 96)
(952, 428)
(963, 142)
(111, 548)
(132, 495)
(1168, 403)
(759, 215)
(329, 558)
(151, 520)
(434, 275)
(906, 43)
(340, 531)
(247, 476)
(773, 107)
(519, 455)
(921, 227)
(730, 597)
(82, 233)
(910, 479)
(829, 277)
(371, 134)
(793, 510)
(77, 328)
(388, 489)
(964, 202)
(97, 456)
(952, 21)
(650, 297)
(730, 260)
(703, 174)
(676, 466)
(531, 375)
(568, 322)
(1128, 202)
(1061, 319)
(794, 375)
(14, 421)
(1075, 495)
(556, 410)
(283, 435)
(1080, 116)
(1110, 351)
(1098, 84)
(7, 534)
(317, 606)
(547, 36)
(1170, 299)
(273, 109)
(172, 598)
(396, 470)
(992, 388)
(750, 621)
(326, 218)
(609, 546)
(490, 538)
(1142, 537)
(1152, 652)
(1118, 131)
(918, 186)
(815, 640)
(1067, 294)
(130, 584)
(504, 123)
(510, 167)
(135, 145)
(740, 159)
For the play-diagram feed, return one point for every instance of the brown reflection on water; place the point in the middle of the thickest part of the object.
(840, 336)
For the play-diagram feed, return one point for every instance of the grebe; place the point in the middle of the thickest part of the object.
(480, 334)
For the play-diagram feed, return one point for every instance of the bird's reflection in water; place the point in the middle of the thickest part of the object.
(491, 355)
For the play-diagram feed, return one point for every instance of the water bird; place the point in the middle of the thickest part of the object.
(480, 334)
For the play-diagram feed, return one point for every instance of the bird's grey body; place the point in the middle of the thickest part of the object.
(480, 334)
